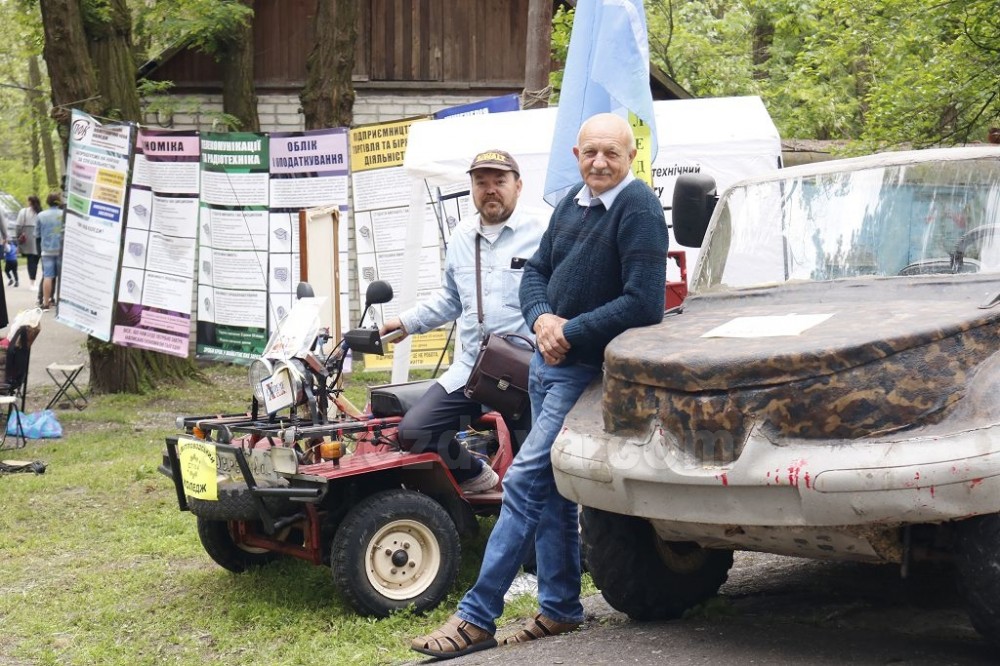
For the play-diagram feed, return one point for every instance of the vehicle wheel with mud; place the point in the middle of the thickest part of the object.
(977, 559)
(236, 503)
(395, 549)
(643, 576)
(218, 540)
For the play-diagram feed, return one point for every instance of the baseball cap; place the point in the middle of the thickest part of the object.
(500, 160)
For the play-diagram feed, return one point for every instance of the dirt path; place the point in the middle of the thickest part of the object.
(57, 343)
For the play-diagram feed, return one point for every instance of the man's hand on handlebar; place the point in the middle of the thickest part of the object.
(393, 324)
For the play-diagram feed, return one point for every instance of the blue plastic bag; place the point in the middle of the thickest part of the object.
(36, 425)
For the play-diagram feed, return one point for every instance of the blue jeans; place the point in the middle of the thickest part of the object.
(51, 265)
(532, 505)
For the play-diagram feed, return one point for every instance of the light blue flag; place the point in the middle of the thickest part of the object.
(607, 70)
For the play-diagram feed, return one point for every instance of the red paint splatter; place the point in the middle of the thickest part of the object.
(932, 491)
(974, 483)
(794, 471)
(807, 480)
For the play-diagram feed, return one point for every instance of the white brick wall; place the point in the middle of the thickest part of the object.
(282, 113)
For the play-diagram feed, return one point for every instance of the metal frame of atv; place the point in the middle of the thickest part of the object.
(320, 473)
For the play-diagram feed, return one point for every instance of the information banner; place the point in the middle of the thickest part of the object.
(381, 190)
(308, 170)
(157, 275)
(233, 246)
(97, 174)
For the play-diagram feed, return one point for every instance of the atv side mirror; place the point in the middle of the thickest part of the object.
(378, 292)
(693, 204)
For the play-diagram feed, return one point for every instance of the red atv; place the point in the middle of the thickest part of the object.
(304, 473)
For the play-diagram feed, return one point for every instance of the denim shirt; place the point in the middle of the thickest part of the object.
(49, 227)
(502, 266)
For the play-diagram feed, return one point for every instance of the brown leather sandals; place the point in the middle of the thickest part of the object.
(453, 639)
(539, 627)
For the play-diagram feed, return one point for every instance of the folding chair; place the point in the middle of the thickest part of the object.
(14, 388)
(64, 376)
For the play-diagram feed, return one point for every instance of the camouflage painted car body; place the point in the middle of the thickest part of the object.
(819, 409)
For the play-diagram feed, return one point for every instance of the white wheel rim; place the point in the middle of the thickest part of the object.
(403, 559)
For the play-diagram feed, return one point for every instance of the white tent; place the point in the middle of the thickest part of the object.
(728, 137)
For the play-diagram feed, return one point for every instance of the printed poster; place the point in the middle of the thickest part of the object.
(97, 175)
(157, 275)
(234, 228)
(308, 170)
(381, 191)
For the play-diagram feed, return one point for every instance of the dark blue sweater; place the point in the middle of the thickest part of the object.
(604, 272)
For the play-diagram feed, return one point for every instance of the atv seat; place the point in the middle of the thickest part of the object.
(395, 399)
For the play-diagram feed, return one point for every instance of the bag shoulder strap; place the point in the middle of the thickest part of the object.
(479, 305)
(479, 289)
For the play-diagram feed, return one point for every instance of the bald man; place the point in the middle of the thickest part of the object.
(600, 269)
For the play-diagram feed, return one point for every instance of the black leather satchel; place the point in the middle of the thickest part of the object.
(499, 377)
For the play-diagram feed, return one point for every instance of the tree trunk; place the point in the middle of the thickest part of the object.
(538, 60)
(71, 74)
(110, 46)
(763, 37)
(113, 369)
(239, 96)
(40, 129)
(328, 95)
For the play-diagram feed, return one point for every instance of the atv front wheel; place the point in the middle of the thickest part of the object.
(977, 559)
(217, 539)
(643, 576)
(395, 549)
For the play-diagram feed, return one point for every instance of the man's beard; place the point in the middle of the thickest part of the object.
(494, 212)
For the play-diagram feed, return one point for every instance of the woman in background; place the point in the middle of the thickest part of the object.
(24, 233)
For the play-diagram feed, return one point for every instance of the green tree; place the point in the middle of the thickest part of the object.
(27, 159)
(881, 74)
(222, 29)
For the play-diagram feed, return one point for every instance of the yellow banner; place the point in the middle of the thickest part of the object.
(642, 166)
(380, 146)
(425, 350)
(199, 468)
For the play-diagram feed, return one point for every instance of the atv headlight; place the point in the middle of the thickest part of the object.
(260, 370)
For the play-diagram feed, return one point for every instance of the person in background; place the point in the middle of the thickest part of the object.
(50, 234)
(599, 270)
(509, 235)
(10, 263)
(24, 233)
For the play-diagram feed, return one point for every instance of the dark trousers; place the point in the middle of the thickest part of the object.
(32, 265)
(431, 423)
(10, 269)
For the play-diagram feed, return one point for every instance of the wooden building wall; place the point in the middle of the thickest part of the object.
(450, 43)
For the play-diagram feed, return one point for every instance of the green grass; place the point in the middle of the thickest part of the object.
(99, 566)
